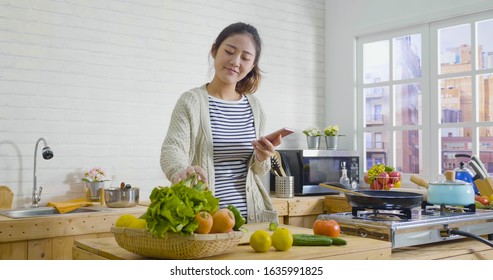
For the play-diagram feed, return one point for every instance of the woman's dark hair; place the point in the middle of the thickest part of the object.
(251, 81)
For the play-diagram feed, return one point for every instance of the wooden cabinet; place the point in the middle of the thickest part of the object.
(300, 211)
(52, 238)
(336, 204)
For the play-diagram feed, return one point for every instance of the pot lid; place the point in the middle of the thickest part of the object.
(449, 179)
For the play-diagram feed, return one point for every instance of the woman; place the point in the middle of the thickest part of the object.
(214, 128)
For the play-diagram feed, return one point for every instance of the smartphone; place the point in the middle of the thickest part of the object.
(283, 132)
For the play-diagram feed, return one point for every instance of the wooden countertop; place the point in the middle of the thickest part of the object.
(357, 248)
(63, 224)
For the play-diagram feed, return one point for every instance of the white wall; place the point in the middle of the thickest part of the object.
(346, 20)
(98, 79)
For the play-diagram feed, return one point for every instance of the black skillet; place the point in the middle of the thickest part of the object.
(387, 200)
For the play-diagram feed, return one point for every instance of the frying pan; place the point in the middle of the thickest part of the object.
(383, 200)
(387, 200)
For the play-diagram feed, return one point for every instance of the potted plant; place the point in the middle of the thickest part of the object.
(331, 136)
(313, 135)
(94, 180)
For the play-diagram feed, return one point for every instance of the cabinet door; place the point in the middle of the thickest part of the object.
(13, 250)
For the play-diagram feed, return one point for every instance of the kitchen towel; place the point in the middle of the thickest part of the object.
(68, 206)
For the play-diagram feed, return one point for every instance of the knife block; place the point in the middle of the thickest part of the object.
(485, 186)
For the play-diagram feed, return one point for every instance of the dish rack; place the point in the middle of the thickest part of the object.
(174, 245)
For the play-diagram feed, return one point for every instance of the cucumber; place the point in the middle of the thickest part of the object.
(338, 241)
(304, 239)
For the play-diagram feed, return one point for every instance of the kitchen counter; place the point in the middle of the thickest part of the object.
(357, 249)
(52, 237)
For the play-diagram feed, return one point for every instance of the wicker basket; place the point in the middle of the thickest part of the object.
(174, 245)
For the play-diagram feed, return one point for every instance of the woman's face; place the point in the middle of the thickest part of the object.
(234, 58)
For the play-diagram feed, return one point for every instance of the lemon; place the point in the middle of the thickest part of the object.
(282, 239)
(273, 226)
(138, 223)
(125, 220)
(260, 241)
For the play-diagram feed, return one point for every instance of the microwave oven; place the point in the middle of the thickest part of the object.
(312, 167)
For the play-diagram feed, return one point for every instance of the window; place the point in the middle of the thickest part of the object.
(426, 94)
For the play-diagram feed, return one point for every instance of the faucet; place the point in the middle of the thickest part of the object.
(47, 154)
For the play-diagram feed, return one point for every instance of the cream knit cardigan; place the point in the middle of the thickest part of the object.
(189, 142)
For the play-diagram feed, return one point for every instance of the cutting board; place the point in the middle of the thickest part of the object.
(251, 228)
(6, 197)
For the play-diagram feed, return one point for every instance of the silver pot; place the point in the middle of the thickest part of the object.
(121, 198)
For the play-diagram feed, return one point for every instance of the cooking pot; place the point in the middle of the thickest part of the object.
(448, 190)
(121, 197)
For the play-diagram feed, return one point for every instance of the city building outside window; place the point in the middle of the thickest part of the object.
(425, 95)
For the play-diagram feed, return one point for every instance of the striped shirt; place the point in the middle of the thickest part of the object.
(233, 131)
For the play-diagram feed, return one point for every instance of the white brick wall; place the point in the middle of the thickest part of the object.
(98, 79)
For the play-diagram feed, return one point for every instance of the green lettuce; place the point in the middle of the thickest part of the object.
(173, 209)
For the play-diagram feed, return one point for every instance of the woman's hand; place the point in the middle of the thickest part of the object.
(189, 171)
(264, 149)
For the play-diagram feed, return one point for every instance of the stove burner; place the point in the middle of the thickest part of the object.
(382, 215)
(446, 210)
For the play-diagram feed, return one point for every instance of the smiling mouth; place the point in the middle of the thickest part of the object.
(231, 70)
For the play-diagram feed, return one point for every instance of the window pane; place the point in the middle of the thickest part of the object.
(408, 153)
(485, 96)
(486, 147)
(378, 148)
(455, 140)
(376, 106)
(456, 100)
(407, 57)
(408, 104)
(455, 49)
(376, 62)
(485, 44)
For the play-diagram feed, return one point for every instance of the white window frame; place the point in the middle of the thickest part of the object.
(430, 125)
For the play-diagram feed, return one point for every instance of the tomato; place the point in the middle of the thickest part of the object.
(482, 200)
(327, 227)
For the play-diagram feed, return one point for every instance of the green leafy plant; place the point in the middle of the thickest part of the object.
(173, 208)
(312, 131)
(331, 130)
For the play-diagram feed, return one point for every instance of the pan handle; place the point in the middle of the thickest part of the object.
(419, 181)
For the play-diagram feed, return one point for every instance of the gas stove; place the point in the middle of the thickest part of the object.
(417, 226)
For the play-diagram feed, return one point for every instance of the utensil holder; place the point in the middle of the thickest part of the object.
(284, 186)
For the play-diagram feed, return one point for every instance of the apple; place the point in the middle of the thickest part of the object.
(395, 176)
(389, 186)
(366, 178)
(376, 186)
(383, 178)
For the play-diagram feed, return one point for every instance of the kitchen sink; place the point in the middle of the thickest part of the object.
(20, 213)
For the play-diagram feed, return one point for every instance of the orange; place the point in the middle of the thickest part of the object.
(205, 222)
(222, 221)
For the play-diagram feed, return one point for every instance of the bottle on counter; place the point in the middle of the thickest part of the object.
(344, 180)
